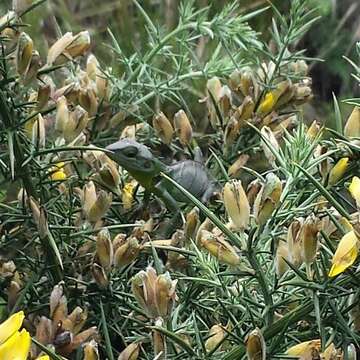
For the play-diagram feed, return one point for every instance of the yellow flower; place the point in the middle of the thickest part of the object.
(128, 194)
(338, 170)
(345, 255)
(43, 357)
(57, 172)
(354, 189)
(10, 326)
(267, 104)
(16, 347)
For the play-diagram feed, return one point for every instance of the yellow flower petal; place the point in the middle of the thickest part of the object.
(16, 347)
(338, 171)
(267, 104)
(354, 189)
(10, 326)
(128, 194)
(43, 357)
(58, 175)
(345, 255)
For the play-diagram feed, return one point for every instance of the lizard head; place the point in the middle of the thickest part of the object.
(134, 157)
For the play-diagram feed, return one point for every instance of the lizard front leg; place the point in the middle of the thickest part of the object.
(171, 205)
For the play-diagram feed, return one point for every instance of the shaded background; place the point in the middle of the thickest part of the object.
(330, 39)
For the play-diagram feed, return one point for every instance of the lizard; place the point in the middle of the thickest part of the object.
(146, 169)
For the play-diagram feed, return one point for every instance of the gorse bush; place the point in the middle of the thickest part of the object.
(121, 252)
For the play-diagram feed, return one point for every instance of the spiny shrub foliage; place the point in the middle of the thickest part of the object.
(266, 269)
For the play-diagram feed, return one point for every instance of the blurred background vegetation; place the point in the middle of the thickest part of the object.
(331, 38)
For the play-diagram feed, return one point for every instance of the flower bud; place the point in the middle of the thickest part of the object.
(43, 96)
(143, 288)
(313, 130)
(309, 239)
(176, 260)
(294, 241)
(255, 345)
(131, 352)
(306, 350)
(219, 248)
(245, 110)
(55, 296)
(33, 68)
(75, 321)
(60, 312)
(235, 169)
(234, 80)
(253, 190)
(76, 123)
(345, 254)
(192, 223)
(100, 207)
(302, 95)
(88, 100)
(127, 252)
(247, 82)
(282, 253)
(99, 275)
(183, 127)
(13, 291)
(231, 132)
(267, 199)
(79, 44)
(104, 249)
(338, 171)
(354, 190)
(40, 218)
(67, 47)
(164, 294)
(236, 204)
(92, 66)
(91, 351)
(38, 131)
(225, 101)
(352, 353)
(163, 128)
(24, 53)
(267, 141)
(62, 114)
(216, 336)
(85, 336)
(95, 205)
(205, 225)
(213, 87)
(44, 330)
(159, 342)
(352, 126)
(109, 172)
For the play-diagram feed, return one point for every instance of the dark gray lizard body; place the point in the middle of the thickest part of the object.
(146, 168)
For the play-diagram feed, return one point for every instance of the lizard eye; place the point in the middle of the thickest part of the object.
(130, 152)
